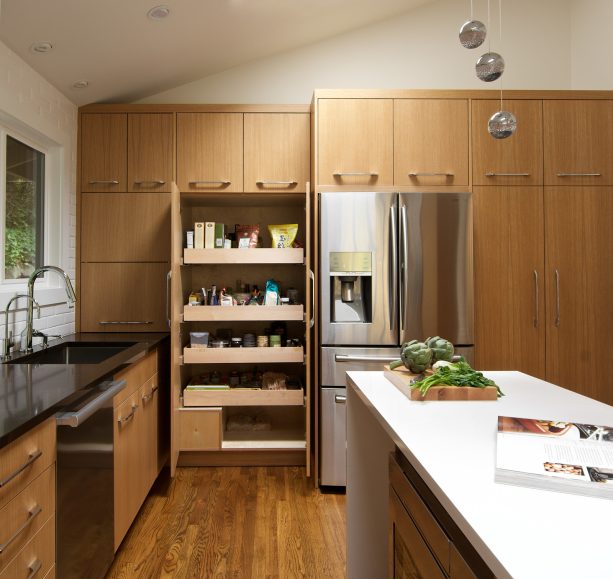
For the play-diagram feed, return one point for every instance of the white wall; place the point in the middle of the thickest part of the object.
(419, 49)
(31, 105)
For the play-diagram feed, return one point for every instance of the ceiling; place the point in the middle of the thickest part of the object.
(125, 56)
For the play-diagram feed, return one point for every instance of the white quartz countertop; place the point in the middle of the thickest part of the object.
(519, 532)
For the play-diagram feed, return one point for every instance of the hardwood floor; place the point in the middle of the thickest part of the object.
(235, 522)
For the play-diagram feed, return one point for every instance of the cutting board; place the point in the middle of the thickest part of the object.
(401, 378)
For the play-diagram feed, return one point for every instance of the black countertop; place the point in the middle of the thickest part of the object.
(31, 393)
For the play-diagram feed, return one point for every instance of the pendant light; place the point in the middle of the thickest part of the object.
(472, 32)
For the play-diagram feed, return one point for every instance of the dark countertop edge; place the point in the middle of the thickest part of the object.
(151, 341)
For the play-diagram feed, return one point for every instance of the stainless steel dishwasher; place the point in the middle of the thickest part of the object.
(85, 489)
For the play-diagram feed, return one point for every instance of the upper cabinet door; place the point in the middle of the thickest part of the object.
(516, 160)
(277, 151)
(431, 142)
(578, 136)
(150, 152)
(210, 152)
(104, 140)
(355, 142)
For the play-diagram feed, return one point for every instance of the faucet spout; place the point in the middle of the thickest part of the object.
(8, 342)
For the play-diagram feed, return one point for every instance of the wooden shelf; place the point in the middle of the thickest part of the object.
(254, 255)
(242, 355)
(243, 397)
(242, 313)
(263, 439)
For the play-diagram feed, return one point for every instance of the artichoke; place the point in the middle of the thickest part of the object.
(441, 349)
(416, 356)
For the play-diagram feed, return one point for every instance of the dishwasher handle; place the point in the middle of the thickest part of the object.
(77, 418)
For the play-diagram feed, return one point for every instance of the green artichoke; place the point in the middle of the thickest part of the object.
(416, 356)
(441, 349)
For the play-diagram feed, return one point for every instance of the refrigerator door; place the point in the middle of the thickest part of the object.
(436, 266)
(358, 245)
(333, 455)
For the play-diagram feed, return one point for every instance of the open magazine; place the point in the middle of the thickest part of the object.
(560, 456)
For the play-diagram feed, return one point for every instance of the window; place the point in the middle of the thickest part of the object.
(23, 216)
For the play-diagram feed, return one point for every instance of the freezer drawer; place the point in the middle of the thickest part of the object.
(336, 361)
(333, 452)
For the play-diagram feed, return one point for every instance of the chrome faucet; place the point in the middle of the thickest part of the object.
(8, 339)
(72, 298)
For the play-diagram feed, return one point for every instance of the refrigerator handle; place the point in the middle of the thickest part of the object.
(393, 267)
(402, 261)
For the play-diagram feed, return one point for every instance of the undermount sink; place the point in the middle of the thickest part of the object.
(74, 353)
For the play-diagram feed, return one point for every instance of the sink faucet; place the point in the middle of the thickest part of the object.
(72, 298)
(8, 339)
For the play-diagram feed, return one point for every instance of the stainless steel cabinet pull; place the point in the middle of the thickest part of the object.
(578, 174)
(152, 182)
(108, 391)
(129, 416)
(154, 388)
(32, 513)
(288, 183)
(168, 312)
(31, 458)
(127, 322)
(557, 278)
(104, 182)
(340, 399)
(218, 182)
(34, 568)
(431, 174)
(312, 276)
(347, 358)
(353, 174)
(147, 397)
(536, 298)
(507, 174)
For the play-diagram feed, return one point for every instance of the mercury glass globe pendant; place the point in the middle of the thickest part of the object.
(489, 67)
(502, 124)
(472, 34)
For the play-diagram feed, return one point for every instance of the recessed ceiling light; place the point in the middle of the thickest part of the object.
(158, 12)
(80, 84)
(41, 47)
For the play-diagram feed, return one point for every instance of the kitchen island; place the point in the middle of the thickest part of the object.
(451, 446)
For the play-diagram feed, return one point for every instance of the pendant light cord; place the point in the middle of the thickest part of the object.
(500, 48)
(471, 10)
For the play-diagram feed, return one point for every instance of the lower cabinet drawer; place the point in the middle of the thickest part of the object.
(26, 513)
(123, 297)
(36, 558)
(200, 429)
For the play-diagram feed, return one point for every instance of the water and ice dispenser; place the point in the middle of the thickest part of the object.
(351, 286)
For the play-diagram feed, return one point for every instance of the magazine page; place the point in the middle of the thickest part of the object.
(560, 451)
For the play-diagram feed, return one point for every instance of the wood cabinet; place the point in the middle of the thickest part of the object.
(431, 142)
(124, 297)
(509, 251)
(578, 142)
(27, 503)
(355, 142)
(276, 151)
(210, 152)
(579, 278)
(517, 160)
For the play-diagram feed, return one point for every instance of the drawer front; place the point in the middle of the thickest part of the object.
(26, 514)
(36, 558)
(25, 459)
(135, 376)
(421, 515)
(200, 429)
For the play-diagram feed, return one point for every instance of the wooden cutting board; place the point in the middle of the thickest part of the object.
(401, 378)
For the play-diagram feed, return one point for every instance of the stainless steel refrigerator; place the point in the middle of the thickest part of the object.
(394, 267)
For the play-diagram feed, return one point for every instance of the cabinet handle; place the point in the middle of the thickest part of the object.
(288, 183)
(128, 322)
(536, 298)
(431, 174)
(147, 397)
(32, 513)
(31, 458)
(168, 313)
(152, 182)
(154, 388)
(578, 174)
(507, 174)
(104, 182)
(340, 399)
(557, 278)
(222, 182)
(129, 416)
(312, 276)
(363, 174)
(34, 568)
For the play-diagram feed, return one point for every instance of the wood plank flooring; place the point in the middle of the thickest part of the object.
(235, 522)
